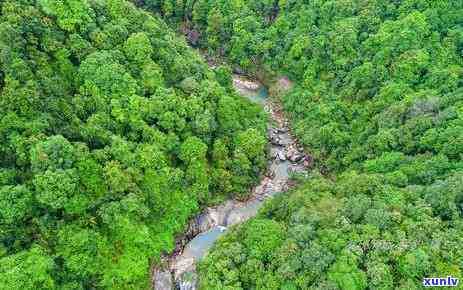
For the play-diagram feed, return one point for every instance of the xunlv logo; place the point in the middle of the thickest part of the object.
(440, 282)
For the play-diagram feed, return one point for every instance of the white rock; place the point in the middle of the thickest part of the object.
(281, 156)
(163, 280)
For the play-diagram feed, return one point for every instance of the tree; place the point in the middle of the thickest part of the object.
(56, 152)
(55, 189)
(101, 73)
(16, 203)
(193, 149)
(251, 142)
(138, 48)
(81, 251)
(71, 14)
(106, 120)
(28, 269)
(346, 274)
(151, 78)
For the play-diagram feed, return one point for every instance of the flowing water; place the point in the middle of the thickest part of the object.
(200, 245)
(286, 157)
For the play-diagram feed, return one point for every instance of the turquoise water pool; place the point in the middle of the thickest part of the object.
(259, 97)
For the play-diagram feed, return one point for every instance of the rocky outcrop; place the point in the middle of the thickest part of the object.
(188, 281)
(281, 156)
(242, 84)
(245, 87)
(162, 280)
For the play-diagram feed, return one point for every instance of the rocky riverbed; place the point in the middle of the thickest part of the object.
(286, 157)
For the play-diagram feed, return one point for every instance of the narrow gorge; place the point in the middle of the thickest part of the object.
(286, 157)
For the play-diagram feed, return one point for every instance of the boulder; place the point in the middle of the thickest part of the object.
(183, 264)
(188, 281)
(289, 152)
(281, 156)
(259, 190)
(296, 157)
(244, 84)
(282, 130)
(238, 70)
(201, 223)
(271, 174)
(163, 280)
(240, 215)
(275, 139)
(219, 214)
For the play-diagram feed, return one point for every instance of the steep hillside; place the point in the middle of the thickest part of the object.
(113, 132)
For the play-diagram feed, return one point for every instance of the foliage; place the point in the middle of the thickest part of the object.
(320, 236)
(378, 103)
(111, 133)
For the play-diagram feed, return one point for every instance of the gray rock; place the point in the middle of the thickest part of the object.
(289, 152)
(271, 174)
(200, 224)
(281, 156)
(245, 84)
(219, 214)
(184, 263)
(187, 281)
(163, 280)
(238, 70)
(276, 153)
(274, 139)
(259, 190)
(296, 157)
(205, 222)
(273, 188)
(273, 156)
(240, 215)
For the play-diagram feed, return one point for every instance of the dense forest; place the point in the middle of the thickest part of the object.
(379, 104)
(113, 133)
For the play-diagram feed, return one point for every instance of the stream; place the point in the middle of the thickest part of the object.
(286, 157)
